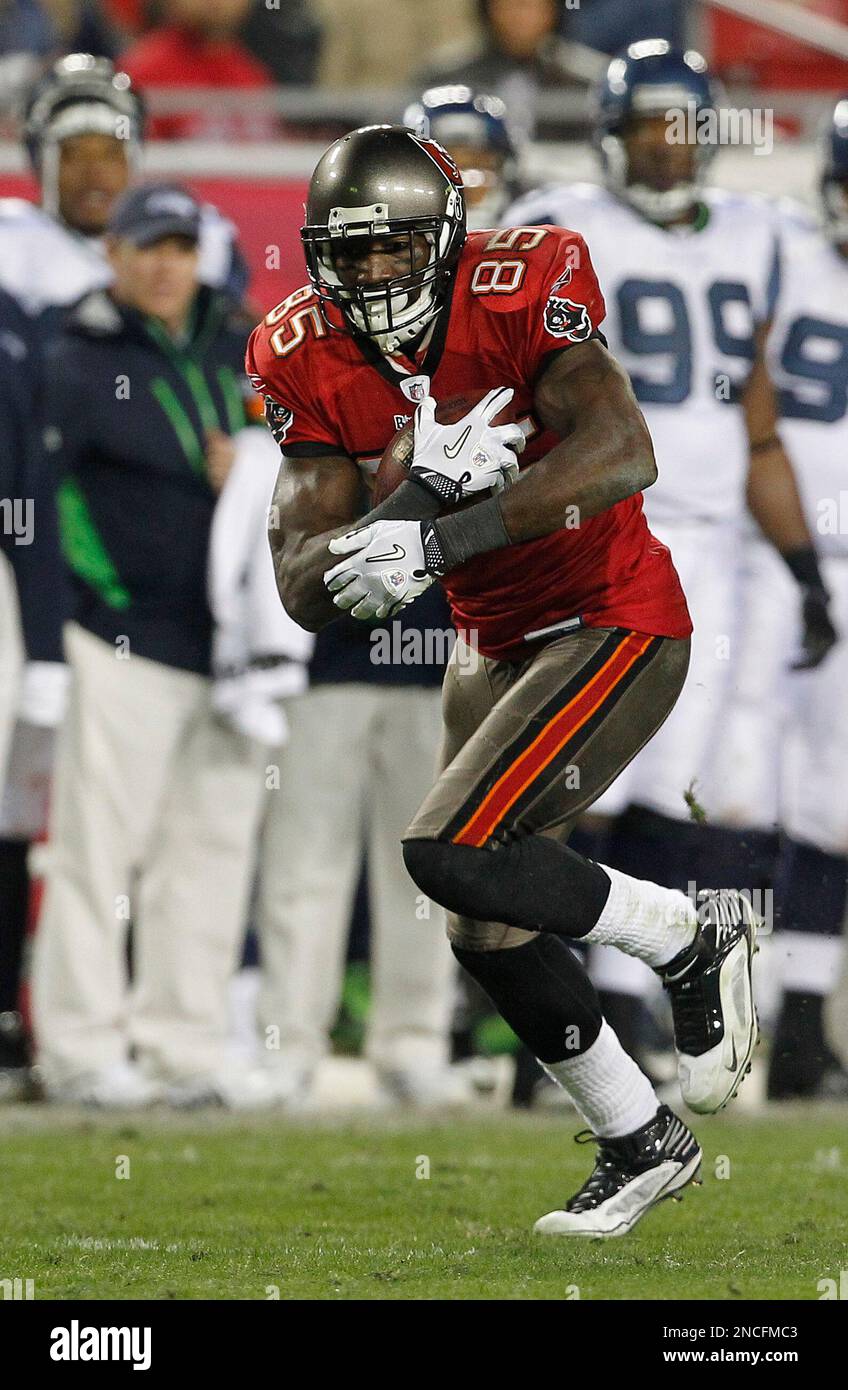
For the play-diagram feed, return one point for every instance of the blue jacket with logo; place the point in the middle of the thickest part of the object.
(126, 414)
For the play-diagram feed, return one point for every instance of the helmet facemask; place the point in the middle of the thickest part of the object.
(396, 310)
(656, 205)
(672, 95)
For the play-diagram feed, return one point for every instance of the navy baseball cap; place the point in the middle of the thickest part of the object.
(154, 211)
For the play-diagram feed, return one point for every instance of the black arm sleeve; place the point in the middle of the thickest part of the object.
(409, 502)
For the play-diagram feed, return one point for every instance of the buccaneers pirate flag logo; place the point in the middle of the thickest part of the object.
(564, 318)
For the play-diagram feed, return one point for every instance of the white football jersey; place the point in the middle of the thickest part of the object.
(808, 360)
(682, 307)
(46, 265)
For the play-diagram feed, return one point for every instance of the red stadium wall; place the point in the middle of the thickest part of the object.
(742, 50)
(268, 216)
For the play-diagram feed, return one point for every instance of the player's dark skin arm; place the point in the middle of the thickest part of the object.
(315, 500)
(605, 453)
(772, 492)
(774, 502)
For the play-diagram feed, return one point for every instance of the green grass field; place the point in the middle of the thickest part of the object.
(235, 1208)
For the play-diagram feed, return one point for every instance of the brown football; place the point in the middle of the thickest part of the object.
(397, 454)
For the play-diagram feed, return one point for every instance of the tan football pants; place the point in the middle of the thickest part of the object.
(529, 746)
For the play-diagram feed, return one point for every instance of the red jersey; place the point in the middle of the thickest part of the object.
(519, 295)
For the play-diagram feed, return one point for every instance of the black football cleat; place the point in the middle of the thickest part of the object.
(712, 1003)
(631, 1175)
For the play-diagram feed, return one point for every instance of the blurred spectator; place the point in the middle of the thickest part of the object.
(50, 256)
(44, 27)
(81, 26)
(198, 46)
(31, 31)
(286, 36)
(610, 25)
(128, 17)
(520, 54)
(25, 27)
(154, 803)
(379, 44)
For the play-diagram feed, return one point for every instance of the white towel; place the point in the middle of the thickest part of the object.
(251, 625)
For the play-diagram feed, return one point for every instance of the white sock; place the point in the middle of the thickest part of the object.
(611, 1093)
(644, 920)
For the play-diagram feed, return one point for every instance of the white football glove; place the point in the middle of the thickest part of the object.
(383, 570)
(456, 461)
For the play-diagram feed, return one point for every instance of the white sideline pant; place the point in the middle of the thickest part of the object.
(26, 750)
(359, 760)
(742, 785)
(153, 817)
(682, 750)
(815, 792)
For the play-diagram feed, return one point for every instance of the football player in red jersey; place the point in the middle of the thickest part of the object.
(573, 629)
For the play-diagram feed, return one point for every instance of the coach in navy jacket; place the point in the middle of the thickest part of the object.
(155, 798)
(133, 416)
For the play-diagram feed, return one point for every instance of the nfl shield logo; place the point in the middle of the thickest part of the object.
(415, 388)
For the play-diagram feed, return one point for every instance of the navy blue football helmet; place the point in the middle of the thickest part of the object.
(834, 184)
(469, 124)
(650, 78)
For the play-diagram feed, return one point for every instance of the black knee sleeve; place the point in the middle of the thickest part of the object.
(533, 883)
(543, 992)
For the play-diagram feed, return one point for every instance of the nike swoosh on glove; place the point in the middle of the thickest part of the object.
(456, 461)
(384, 568)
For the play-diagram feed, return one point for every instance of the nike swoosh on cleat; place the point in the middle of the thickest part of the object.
(451, 450)
(396, 553)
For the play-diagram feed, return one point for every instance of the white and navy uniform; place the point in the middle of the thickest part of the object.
(808, 359)
(45, 265)
(682, 311)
